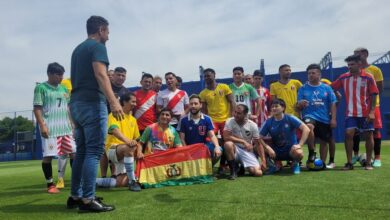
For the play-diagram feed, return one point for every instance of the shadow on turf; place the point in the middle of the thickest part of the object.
(34, 208)
(166, 198)
(34, 187)
(22, 193)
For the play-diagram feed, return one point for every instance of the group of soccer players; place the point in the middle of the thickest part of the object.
(245, 126)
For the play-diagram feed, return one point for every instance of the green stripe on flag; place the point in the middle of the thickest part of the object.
(182, 182)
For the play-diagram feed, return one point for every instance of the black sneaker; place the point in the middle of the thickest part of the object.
(73, 203)
(134, 186)
(348, 166)
(95, 205)
(233, 170)
(221, 171)
(233, 176)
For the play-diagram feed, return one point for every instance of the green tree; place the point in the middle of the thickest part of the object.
(8, 126)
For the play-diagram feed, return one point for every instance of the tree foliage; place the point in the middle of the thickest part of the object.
(8, 127)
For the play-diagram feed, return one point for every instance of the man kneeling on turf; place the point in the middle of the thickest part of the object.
(241, 140)
(160, 136)
(121, 145)
(282, 129)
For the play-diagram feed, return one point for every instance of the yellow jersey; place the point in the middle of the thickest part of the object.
(288, 92)
(68, 84)
(127, 126)
(218, 107)
(378, 76)
(326, 81)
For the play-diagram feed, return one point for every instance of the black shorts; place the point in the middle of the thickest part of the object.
(321, 130)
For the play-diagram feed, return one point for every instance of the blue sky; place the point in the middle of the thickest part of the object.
(178, 36)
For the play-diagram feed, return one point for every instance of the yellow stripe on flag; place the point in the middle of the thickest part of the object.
(175, 171)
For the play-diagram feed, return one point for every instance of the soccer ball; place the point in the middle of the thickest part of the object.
(363, 159)
(316, 165)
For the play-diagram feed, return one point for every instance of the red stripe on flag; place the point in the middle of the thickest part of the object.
(176, 155)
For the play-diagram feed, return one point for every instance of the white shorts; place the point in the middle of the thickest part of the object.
(119, 165)
(248, 159)
(58, 146)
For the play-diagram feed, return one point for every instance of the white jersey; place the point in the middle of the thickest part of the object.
(175, 101)
(247, 132)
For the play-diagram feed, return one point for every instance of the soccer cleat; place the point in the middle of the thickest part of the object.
(310, 161)
(233, 170)
(377, 163)
(330, 166)
(310, 164)
(134, 186)
(241, 170)
(60, 183)
(273, 167)
(221, 171)
(348, 166)
(270, 170)
(72, 203)
(52, 190)
(233, 176)
(296, 168)
(278, 165)
(355, 159)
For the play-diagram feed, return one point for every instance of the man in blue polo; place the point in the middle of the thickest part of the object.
(197, 127)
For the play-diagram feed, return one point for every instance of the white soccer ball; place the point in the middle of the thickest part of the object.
(363, 159)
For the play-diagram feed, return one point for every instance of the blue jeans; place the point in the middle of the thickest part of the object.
(90, 120)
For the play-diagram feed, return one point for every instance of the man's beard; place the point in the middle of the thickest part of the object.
(195, 112)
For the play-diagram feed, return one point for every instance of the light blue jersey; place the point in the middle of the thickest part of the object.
(320, 100)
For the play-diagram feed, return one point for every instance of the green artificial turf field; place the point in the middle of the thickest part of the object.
(329, 194)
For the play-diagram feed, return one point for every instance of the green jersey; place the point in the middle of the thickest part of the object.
(244, 94)
(54, 102)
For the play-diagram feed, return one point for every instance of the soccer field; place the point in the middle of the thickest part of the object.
(330, 194)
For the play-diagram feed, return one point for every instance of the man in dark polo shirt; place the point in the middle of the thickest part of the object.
(117, 81)
(91, 87)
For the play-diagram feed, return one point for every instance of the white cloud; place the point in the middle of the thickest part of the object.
(178, 36)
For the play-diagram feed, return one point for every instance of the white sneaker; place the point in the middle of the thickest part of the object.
(330, 166)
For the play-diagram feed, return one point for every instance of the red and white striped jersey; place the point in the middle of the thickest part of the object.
(145, 111)
(265, 98)
(358, 91)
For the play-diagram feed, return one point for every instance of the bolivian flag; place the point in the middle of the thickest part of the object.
(180, 166)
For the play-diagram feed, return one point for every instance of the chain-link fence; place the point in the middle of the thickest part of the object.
(17, 136)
